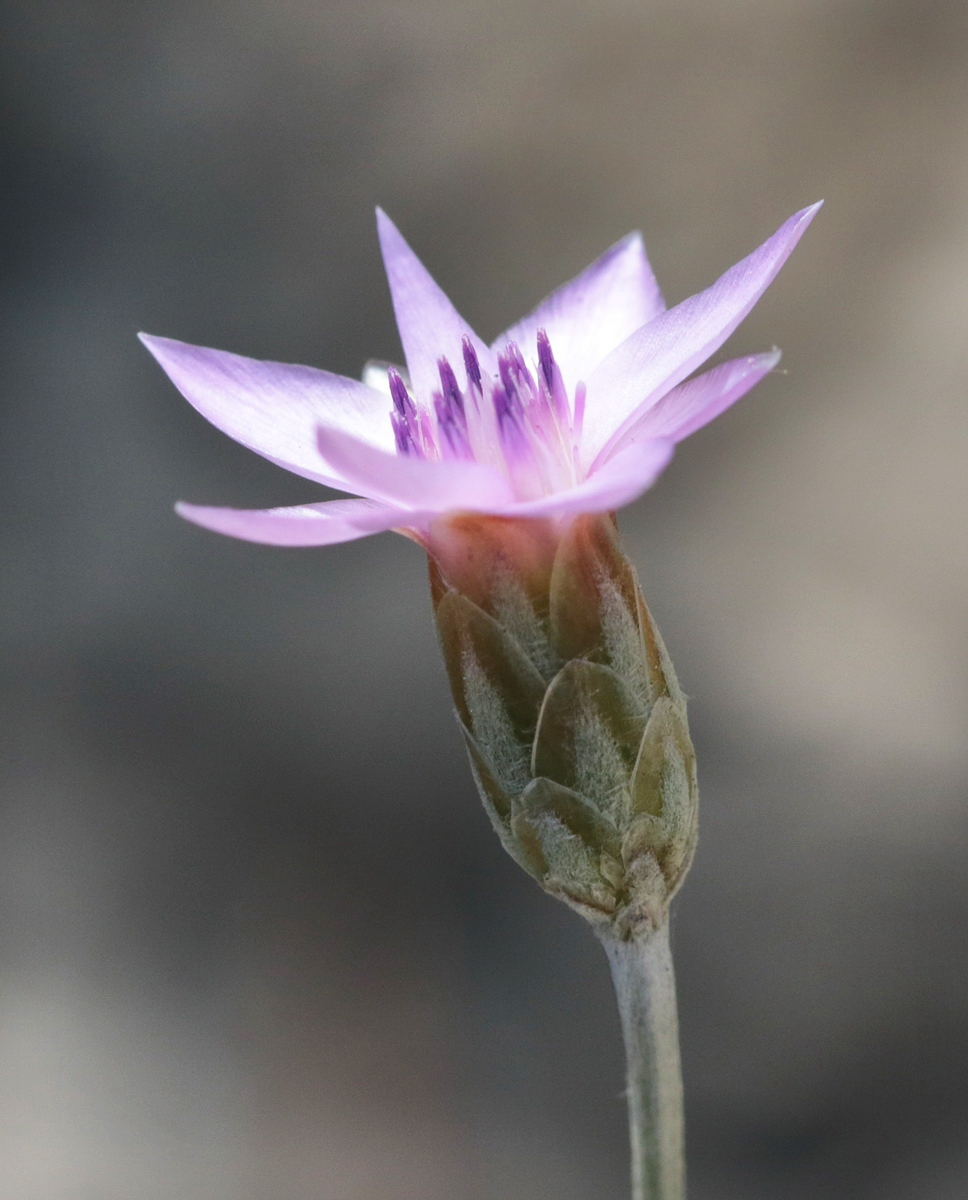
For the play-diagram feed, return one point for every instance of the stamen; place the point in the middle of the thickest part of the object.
(519, 366)
(507, 409)
(452, 428)
(471, 366)
(400, 396)
(520, 423)
(401, 432)
(551, 377)
(404, 415)
(512, 380)
(448, 381)
(546, 360)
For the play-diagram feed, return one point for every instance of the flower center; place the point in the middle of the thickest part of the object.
(519, 422)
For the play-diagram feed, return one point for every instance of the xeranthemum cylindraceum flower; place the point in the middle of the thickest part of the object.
(574, 409)
(505, 462)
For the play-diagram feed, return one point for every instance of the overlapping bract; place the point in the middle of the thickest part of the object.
(590, 442)
(573, 719)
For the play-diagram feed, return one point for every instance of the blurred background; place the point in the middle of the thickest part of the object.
(258, 940)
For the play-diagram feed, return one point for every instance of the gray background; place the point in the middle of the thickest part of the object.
(258, 941)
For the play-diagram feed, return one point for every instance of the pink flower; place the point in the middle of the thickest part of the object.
(574, 409)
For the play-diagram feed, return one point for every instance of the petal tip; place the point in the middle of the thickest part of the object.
(634, 239)
(161, 348)
(198, 514)
(386, 229)
(806, 215)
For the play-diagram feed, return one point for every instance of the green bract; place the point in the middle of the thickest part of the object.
(573, 718)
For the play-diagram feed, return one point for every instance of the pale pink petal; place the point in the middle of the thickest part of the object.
(588, 317)
(273, 408)
(626, 475)
(697, 401)
(670, 347)
(430, 327)
(304, 525)
(410, 482)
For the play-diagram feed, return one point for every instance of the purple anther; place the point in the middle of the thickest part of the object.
(401, 397)
(546, 360)
(507, 377)
(401, 434)
(524, 377)
(511, 381)
(471, 366)
(553, 384)
(448, 381)
(516, 358)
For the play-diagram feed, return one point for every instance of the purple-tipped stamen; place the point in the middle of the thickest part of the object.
(551, 377)
(530, 416)
(502, 405)
(546, 360)
(516, 443)
(404, 417)
(448, 381)
(508, 424)
(451, 429)
(400, 396)
(511, 383)
(472, 367)
(532, 397)
(401, 434)
(507, 378)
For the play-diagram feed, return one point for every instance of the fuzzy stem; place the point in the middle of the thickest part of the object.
(646, 992)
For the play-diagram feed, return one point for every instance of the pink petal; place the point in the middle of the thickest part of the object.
(697, 401)
(588, 317)
(670, 347)
(626, 475)
(433, 485)
(272, 408)
(429, 325)
(305, 525)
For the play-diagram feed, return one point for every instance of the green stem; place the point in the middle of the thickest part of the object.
(646, 992)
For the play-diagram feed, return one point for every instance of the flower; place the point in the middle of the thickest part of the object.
(575, 409)
(506, 462)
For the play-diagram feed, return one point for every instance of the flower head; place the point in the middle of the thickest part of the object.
(575, 409)
(504, 461)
